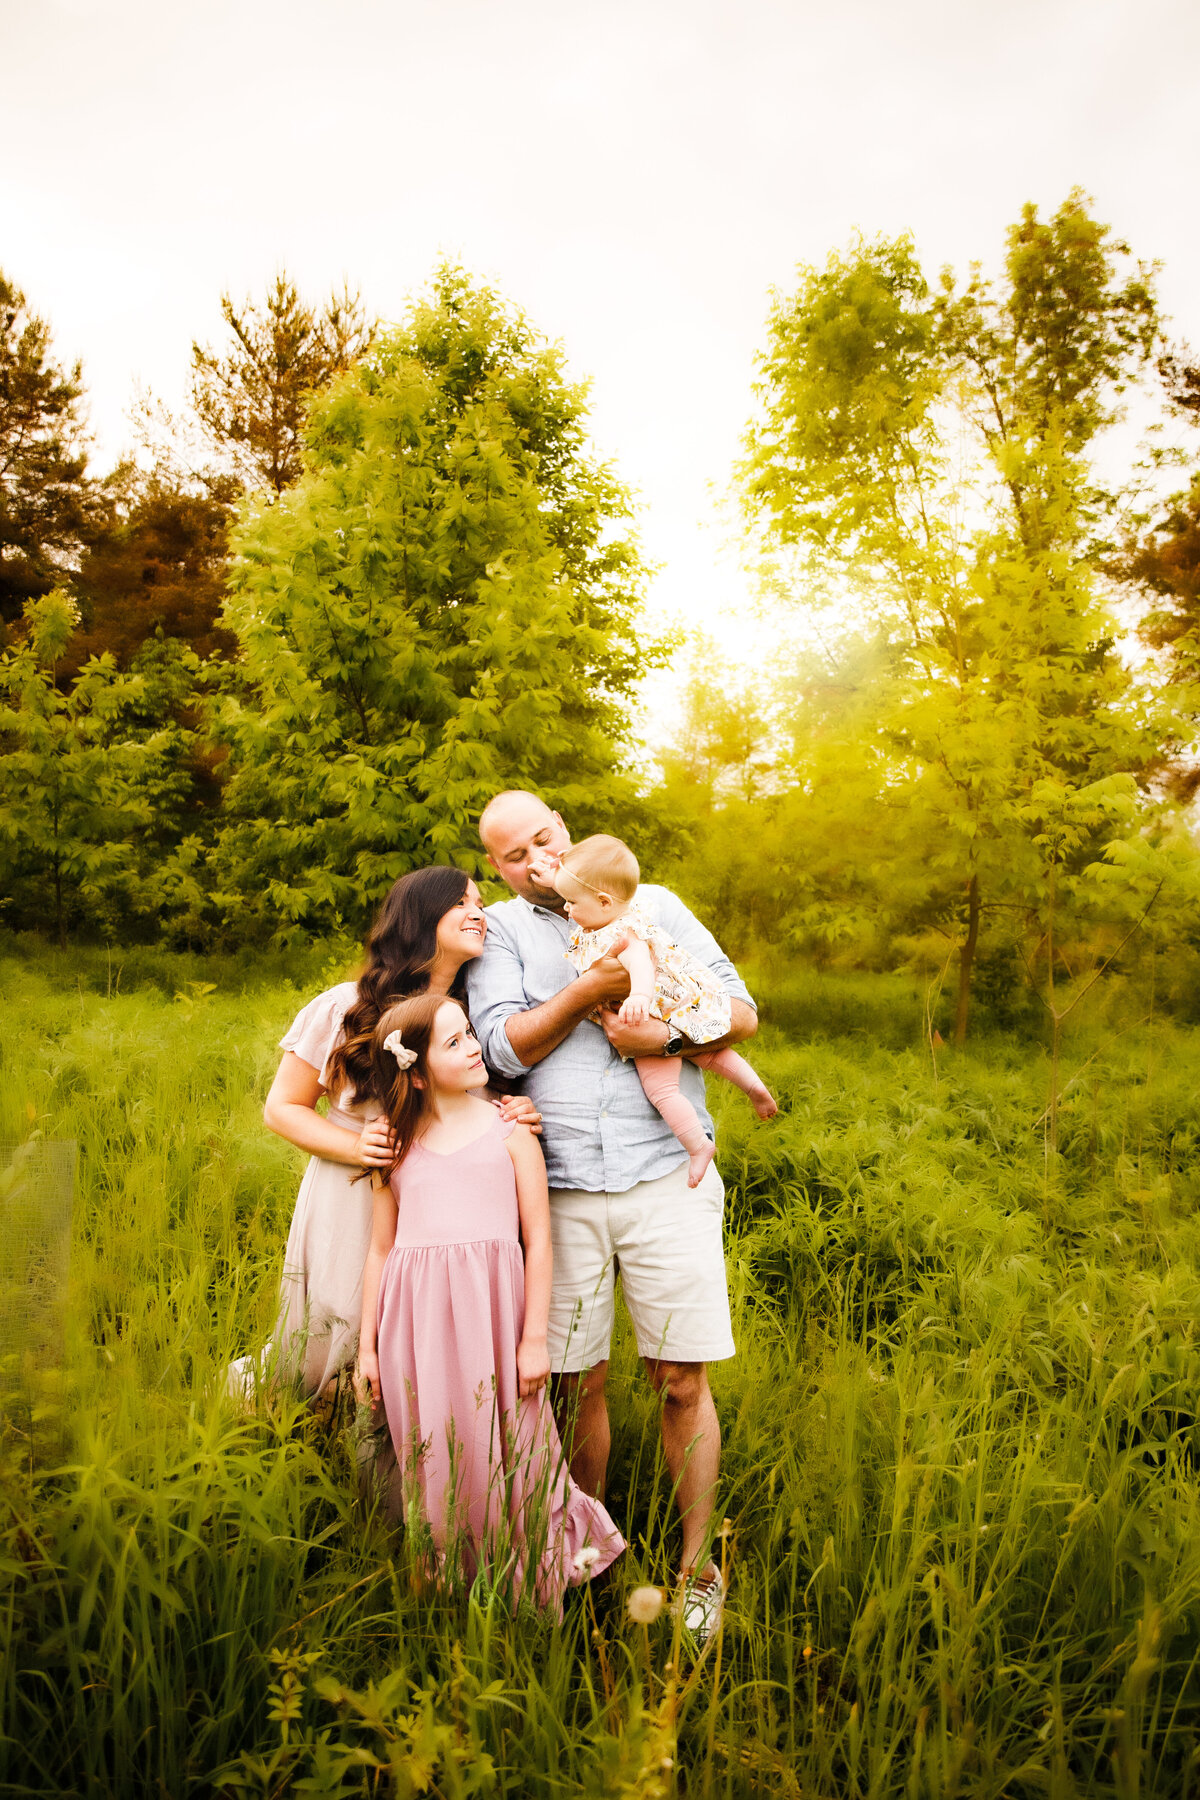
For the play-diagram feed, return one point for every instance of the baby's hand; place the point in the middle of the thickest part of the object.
(635, 1010)
(543, 869)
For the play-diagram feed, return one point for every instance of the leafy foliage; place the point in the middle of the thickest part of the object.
(94, 783)
(440, 607)
(980, 698)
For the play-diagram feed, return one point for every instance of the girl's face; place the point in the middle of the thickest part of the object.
(453, 1061)
(461, 931)
(583, 906)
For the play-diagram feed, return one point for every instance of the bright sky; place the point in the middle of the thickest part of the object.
(635, 175)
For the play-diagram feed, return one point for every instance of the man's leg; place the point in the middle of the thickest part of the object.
(580, 1330)
(691, 1435)
(582, 1414)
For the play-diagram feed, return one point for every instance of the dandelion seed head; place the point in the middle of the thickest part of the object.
(645, 1604)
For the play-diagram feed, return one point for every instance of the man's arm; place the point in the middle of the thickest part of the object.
(537, 1030)
(514, 1035)
(648, 1039)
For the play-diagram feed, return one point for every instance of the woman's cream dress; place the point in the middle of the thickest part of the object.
(320, 1299)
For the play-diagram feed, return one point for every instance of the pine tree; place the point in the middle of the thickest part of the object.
(159, 566)
(1165, 563)
(48, 507)
(253, 396)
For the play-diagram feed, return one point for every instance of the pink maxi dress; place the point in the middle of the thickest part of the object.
(483, 1468)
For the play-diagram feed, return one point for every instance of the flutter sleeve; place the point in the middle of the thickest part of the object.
(316, 1028)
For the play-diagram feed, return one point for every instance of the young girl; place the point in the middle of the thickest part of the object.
(454, 1324)
(598, 879)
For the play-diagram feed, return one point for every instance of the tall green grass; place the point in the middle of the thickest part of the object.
(959, 1465)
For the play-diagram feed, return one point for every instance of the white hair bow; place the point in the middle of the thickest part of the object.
(400, 1050)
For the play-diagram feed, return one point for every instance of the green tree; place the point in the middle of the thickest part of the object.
(253, 395)
(927, 458)
(723, 744)
(95, 779)
(443, 604)
(48, 507)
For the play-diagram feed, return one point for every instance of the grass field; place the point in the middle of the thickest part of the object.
(960, 1443)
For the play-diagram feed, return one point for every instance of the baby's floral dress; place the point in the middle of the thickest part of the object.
(687, 995)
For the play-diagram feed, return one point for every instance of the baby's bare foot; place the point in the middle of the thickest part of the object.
(763, 1103)
(698, 1161)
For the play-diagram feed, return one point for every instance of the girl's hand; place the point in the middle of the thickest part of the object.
(366, 1378)
(533, 1365)
(518, 1109)
(375, 1147)
(635, 1010)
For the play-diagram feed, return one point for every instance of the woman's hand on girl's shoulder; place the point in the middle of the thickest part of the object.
(518, 1109)
(375, 1146)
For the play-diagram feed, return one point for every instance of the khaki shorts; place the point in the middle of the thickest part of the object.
(665, 1238)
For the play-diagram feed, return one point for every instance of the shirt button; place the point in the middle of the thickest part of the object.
(603, 1113)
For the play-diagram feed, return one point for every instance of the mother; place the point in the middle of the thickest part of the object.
(430, 925)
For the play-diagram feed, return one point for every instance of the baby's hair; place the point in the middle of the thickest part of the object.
(605, 865)
(406, 1101)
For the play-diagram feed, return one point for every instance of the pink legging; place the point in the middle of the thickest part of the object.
(660, 1080)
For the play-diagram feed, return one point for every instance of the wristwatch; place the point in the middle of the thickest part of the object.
(674, 1043)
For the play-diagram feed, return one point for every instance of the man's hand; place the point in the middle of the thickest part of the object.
(518, 1109)
(634, 1040)
(608, 978)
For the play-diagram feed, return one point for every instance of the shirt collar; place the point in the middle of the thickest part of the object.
(543, 912)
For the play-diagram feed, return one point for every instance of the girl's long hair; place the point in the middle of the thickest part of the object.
(406, 1104)
(400, 953)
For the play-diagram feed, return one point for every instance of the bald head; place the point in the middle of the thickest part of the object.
(512, 803)
(522, 835)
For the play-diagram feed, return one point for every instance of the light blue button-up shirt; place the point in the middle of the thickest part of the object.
(600, 1132)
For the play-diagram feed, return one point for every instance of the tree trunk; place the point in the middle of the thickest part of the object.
(966, 962)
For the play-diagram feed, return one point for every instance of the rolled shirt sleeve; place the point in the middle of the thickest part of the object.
(496, 990)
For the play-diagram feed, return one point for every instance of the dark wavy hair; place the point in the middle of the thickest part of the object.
(400, 953)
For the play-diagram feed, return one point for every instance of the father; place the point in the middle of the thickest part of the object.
(618, 1175)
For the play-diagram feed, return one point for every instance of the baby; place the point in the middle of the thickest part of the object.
(598, 879)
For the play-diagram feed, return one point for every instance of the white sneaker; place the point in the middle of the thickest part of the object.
(703, 1604)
